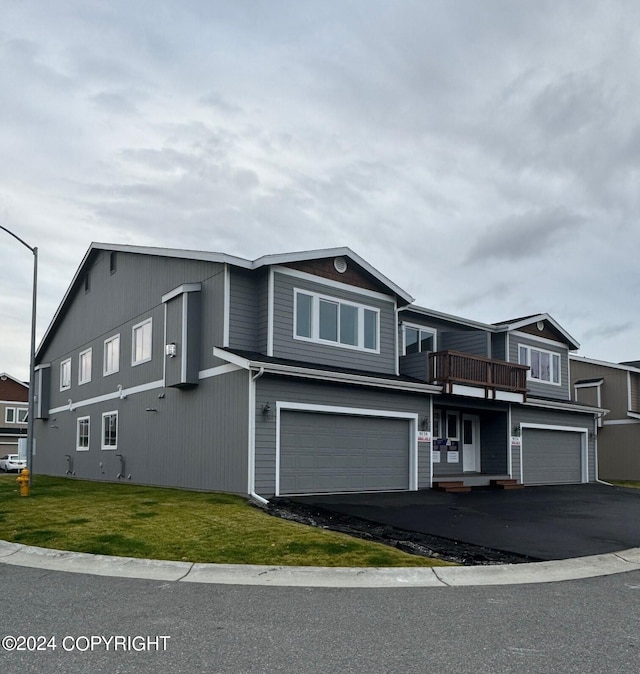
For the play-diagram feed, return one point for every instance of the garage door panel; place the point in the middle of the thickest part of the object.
(322, 453)
(551, 456)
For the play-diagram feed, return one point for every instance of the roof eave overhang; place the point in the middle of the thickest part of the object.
(324, 375)
(565, 406)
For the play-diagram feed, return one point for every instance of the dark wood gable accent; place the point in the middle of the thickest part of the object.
(548, 332)
(354, 275)
(12, 391)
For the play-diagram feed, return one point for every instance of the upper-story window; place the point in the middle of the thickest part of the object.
(418, 340)
(111, 359)
(13, 415)
(84, 367)
(141, 347)
(323, 319)
(65, 374)
(545, 365)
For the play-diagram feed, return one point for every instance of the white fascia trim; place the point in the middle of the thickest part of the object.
(217, 371)
(352, 411)
(232, 358)
(180, 290)
(226, 320)
(276, 260)
(596, 382)
(541, 340)
(310, 373)
(110, 396)
(432, 313)
(320, 280)
(633, 415)
(635, 419)
(534, 319)
(584, 455)
(564, 407)
(604, 363)
(270, 311)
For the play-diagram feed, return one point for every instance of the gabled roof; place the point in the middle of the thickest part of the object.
(516, 323)
(627, 367)
(223, 258)
(5, 375)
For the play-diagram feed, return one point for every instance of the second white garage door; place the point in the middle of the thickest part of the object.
(328, 453)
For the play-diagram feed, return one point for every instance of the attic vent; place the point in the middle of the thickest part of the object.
(340, 265)
(540, 325)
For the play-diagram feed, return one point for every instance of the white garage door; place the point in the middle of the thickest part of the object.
(551, 456)
(328, 453)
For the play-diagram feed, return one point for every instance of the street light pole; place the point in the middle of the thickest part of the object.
(32, 364)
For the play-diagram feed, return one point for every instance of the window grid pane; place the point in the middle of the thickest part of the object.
(348, 324)
(328, 321)
(370, 329)
(303, 315)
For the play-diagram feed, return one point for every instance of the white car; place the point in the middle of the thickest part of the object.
(12, 462)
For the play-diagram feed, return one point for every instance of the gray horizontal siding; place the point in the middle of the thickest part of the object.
(285, 346)
(114, 304)
(536, 415)
(274, 389)
(619, 451)
(243, 314)
(196, 438)
(474, 342)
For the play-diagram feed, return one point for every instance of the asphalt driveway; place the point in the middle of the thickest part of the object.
(542, 523)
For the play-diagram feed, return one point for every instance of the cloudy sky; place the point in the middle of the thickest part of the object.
(485, 156)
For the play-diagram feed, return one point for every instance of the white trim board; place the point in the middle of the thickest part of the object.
(356, 412)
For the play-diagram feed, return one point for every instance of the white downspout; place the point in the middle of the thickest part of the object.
(252, 436)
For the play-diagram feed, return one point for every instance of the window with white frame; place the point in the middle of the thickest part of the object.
(110, 430)
(327, 320)
(21, 413)
(65, 374)
(82, 434)
(418, 340)
(84, 367)
(545, 365)
(9, 415)
(141, 342)
(111, 360)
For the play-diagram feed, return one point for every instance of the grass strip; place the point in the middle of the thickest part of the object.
(171, 524)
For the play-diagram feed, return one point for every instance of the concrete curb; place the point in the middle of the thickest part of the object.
(311, 576)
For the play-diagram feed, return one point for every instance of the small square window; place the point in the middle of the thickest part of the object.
(22, 415)
(10, 415)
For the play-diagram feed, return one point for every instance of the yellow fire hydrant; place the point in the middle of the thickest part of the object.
(23, 481)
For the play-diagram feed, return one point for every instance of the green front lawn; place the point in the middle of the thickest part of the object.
(172, 524)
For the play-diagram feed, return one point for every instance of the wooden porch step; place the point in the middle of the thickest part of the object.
(506, 484)
(452, 487)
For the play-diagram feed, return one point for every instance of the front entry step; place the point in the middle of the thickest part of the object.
(506, 484)
(452, 487)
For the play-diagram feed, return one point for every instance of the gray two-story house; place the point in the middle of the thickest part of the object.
(295, 373)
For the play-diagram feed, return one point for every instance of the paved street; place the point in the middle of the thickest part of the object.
(585, 626)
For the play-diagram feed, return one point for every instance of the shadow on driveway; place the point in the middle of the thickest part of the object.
(536, 523)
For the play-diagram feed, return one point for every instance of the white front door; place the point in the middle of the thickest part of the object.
(470, 443)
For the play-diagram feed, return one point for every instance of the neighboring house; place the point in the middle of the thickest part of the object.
(14, 397)
(295, 373)
(616, 387)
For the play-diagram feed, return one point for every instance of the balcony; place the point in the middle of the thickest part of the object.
(477, 376)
